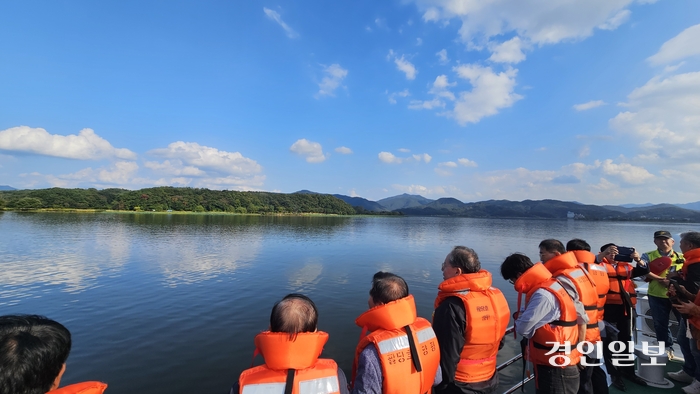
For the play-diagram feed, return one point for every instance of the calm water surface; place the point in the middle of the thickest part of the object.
(170, 303)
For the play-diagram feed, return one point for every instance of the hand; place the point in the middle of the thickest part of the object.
(672, 291)
(687, 308)
(664, 282)
(636, 257)
(609, 252)
(685, 292)
(515, 315)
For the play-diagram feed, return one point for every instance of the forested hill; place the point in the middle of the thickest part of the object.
(176, 199)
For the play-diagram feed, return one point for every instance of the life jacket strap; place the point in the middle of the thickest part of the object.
(414, 350)
(289, 384)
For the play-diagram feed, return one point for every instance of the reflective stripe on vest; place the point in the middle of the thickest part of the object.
(313, 386)
(401, 342)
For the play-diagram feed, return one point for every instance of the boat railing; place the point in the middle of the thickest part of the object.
(512, 361)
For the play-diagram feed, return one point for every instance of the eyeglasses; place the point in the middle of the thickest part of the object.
(511, 281)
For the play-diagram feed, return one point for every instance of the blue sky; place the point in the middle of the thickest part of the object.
(596, 101)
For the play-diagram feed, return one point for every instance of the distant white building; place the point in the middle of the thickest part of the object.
(570, 215)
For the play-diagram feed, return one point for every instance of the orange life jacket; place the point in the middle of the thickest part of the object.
(691, 257)
(599, 275)
(487, 319)
(619, 273)
(406, 344)
(566, 265)
(695, 320)
(81, 388)
(561, 331)
(311, 374)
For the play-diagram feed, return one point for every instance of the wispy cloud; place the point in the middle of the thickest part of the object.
(679, 47)
(343, 150)
(589, 105)
(442, 56)
(403, 65)
(393, 96)
(333, 76)
(275, 16)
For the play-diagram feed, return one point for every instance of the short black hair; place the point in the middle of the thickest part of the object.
(577, 244)
(553, 245)
(465, 259)
(293, 314)
(515, 265)
(602, 248)
(387, 287)
(33, 350)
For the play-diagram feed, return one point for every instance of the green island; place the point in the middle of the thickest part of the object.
(174, 199)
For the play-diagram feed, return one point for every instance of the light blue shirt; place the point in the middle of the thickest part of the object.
(543, 308)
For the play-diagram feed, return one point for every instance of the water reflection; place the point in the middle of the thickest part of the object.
(307, 277)
(206, 283)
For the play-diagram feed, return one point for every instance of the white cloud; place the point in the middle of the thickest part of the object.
(334, 75)
(419, 41)
(491, 92)
(205, 158)
(442, 56)
(275, 16)
(175, 168)
(510, 51)
(343, 150)
(424, 157)
(589, 105)
(679, 47)
(403, 93)
(428, 104)
(450, 164)
(388, 157)
(441, 87)
(663, 117)
(312, 151)
(466, 162)
(404, 150)
(120, 173)
(536, 21)
(404, 65)
(616, 20)
(85, 146)
(625, 171)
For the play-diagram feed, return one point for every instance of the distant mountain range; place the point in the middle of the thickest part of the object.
(416, 205)
(5, 187)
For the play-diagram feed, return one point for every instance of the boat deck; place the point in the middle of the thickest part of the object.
(671, 366)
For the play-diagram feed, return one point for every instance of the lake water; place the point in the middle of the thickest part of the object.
(163, 303)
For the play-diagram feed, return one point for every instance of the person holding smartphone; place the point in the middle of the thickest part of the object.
(619, 302)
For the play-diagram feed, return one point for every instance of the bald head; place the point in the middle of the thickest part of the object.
(295, 313)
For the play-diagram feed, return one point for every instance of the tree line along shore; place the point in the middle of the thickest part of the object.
(185, 199)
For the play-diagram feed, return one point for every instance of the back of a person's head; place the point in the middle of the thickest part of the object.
(692, 238)
(295, 313)
(387, 287)
(577, 244)
(515, 265)
(552, 245)
(464, 258)
(33, 350)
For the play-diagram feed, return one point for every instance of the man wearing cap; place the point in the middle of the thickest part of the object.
(659, 268)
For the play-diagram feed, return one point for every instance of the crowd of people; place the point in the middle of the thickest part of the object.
(572, 297)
